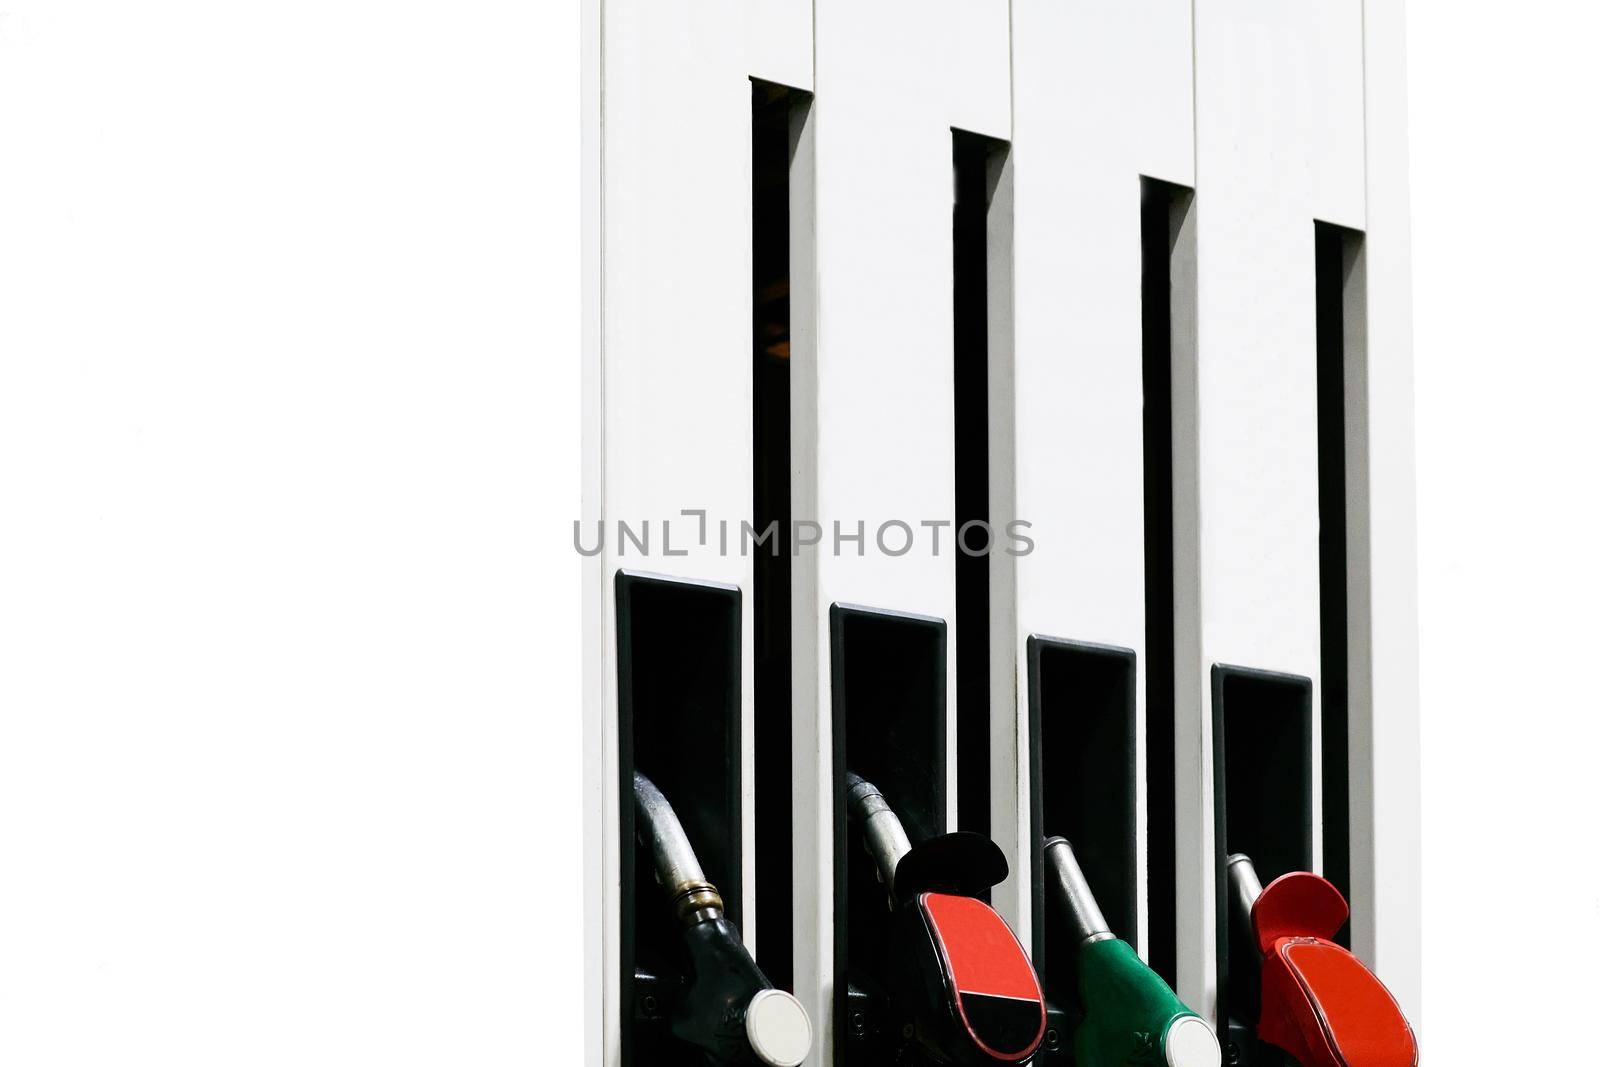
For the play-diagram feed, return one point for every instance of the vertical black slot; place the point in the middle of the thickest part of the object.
(1081, 706)
(1162, 207)
(678, 723)
(889, 727)
(977, 162)
(773, 109)
(1261, 723)
(1336, 250)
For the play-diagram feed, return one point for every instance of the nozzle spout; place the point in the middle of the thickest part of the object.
(1071, 888)
(1244, 886)
(677, 867)
(881, 831)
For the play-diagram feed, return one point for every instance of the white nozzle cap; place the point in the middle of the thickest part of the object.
(1189, 1042)
(779, 1032)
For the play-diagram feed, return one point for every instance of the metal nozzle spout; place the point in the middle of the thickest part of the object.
(885, 838)
(677, 868)
(1244, 886)
(1067, 882)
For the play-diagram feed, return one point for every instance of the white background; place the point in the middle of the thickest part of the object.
(289, 701)
(1505, 228)
(288, 457)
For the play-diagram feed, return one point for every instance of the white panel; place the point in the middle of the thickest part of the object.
(675, 361)
(1385, 747)
(1103, 95)
(975, 64)
(879, 400)
(778, 41)
(1331, 49)
(1275, 130)
(601, 878)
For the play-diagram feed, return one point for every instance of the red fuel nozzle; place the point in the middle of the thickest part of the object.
(986, 982)
(960, 973)
(1318, 1002)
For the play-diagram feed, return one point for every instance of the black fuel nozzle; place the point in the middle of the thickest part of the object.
(728, 1009)
(958, 973)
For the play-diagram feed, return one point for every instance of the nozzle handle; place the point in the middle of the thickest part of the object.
(729, 1009)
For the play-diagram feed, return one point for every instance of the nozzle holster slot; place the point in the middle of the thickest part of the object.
(1261, 747)
(678, 715)
(1081, 710)
(888, 671)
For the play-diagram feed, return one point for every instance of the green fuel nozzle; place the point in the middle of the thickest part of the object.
(1130, 1016)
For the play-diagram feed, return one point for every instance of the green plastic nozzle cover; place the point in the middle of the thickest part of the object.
(1133, 1017)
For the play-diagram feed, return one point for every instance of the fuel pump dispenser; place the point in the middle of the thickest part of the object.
(1130, 1016)
(958, 973)
(1319, 1003)
(726, 1007)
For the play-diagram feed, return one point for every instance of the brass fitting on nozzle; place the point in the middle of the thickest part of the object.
(695, 902)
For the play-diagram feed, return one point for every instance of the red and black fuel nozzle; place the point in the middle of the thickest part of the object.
(727, 1008)
(1319, 1003)
(958, 972)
